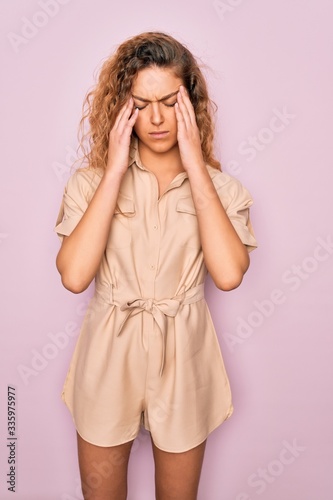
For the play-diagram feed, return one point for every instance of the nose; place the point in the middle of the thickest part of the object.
(156, 114)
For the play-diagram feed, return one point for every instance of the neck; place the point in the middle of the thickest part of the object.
(163, 163)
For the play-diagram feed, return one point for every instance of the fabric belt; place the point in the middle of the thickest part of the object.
(159, 309)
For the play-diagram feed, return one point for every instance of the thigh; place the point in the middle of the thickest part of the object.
(177, 475)
(103, 470)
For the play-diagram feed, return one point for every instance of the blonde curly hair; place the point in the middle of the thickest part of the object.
(103, 103)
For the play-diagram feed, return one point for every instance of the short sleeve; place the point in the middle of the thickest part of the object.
(78, 192)
(237, 201)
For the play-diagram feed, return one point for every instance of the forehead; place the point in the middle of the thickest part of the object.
(153, 83)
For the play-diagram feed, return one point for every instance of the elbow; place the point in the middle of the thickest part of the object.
(73, 281)
(73, 284)
(230, 280)
(229, 283)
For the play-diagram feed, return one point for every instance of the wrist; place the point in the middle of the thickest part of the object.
(112, 177)
(197, 169)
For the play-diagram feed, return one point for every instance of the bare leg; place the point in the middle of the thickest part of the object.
(103, 470)
(177, 475)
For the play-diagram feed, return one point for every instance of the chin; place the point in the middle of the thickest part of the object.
(161, 149)
(161, 146)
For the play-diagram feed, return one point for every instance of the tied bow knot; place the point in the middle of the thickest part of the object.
(159, 310)
(167, 306)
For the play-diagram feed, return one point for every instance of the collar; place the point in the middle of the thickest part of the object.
(134, 156)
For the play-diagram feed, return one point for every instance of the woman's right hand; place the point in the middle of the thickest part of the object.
(81, 252)
(120, 138)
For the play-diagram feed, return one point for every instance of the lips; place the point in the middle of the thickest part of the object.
(161, 134)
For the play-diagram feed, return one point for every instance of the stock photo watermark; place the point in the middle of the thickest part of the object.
(41, 357)
(30, 28)
(264, 476)
(226, 7)
(293, 278)
(104, 469)
(11, 444)
(57, 343)
(3, 236)
(254, 144)
(100, 471)
(63, 170)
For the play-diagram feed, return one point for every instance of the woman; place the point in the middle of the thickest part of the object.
(146, 218)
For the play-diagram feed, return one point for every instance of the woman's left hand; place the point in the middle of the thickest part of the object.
(188, 133)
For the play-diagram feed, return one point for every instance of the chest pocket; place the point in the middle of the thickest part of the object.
(187, 223)
(120, 235)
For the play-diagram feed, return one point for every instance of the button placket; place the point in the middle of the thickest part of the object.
(154, 252)
(155, 226)
(155, 238)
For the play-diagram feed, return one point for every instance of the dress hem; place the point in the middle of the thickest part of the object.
(136, 433)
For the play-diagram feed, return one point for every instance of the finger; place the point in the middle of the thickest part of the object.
(184, 111)
(189, 106)
(133, 118)
(127, 117)
(185, 98)
(179, 116)
(119, 117)
(124, 112)
(125, 128)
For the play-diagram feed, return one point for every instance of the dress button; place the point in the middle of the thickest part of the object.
(155, 227)
(152, 266)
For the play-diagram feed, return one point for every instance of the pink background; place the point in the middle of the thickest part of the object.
(266, 59)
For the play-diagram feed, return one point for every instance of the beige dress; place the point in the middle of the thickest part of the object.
(148, 351)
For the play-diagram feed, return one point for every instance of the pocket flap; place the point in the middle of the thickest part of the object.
(124, 205)
(186, 205)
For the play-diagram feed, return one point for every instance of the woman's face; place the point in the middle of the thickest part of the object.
(154, 92)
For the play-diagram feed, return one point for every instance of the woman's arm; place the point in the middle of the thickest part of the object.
(226, 257)
(81, 252)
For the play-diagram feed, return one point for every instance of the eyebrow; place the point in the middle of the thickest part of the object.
(158, 100)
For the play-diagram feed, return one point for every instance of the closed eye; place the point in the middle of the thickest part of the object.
(141, 107)
(170, 105)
